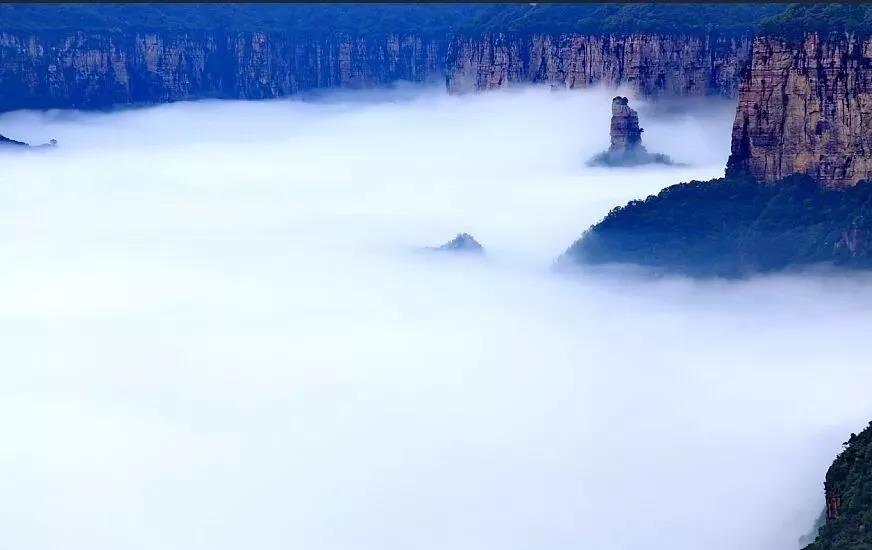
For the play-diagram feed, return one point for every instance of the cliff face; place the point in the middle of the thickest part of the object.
(93, 70)
(806, 108)
(650, 65)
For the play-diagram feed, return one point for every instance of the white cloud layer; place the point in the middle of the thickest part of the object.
(217, 334)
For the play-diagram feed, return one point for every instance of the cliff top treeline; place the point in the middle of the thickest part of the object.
(364, 19)
(799, 19)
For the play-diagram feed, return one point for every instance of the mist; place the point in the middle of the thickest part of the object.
(219, 332)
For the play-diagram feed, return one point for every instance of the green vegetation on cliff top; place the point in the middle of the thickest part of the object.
(799, 19)
(788, 20)
(364, 19)
(734, 228)
(851, 476)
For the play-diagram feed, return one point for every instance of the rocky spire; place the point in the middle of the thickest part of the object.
(625, 132)
(626, 147)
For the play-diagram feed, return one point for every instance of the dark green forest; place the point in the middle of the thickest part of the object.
(799, 19)
(426, 19)
(851, 476)
(790, 20)
(734, 228)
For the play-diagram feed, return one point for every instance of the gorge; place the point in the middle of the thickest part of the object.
(803, 91)
(223, 324)
(246, 340)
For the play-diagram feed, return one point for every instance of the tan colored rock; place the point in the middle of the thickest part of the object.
(625, 135)
(92, 70)
(806, 109)
(650, 65)
(624, 131)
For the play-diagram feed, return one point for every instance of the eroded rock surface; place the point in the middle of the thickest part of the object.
(90, 70)
(648, 64)
(806, 108)
(626, 147)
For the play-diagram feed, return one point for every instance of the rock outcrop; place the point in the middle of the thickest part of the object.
(806, 108)
(462, 243)
(648, 64)
(625, 133)
(626, 147)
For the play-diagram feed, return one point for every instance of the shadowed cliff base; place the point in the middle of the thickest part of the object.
(734, 228)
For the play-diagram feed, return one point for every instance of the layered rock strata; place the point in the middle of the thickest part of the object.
(647, 64)
(626, 147)
(91, 70)
(97, 70)
(806, 108)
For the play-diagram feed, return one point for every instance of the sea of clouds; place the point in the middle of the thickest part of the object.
(217, 332)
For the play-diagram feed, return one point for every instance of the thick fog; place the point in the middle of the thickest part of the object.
(217, 332)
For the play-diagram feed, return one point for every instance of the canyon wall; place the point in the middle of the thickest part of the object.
(95, 70)
(806, 108)
(648, 64)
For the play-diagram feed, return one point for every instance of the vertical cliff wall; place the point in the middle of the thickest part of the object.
(93, 70)
(649, 64)
(806, 107)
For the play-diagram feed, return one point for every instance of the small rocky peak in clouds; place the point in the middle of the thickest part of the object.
(6, 142)
(463, 242)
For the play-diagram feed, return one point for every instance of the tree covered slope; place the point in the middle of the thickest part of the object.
(734, 228)
(850, 482)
